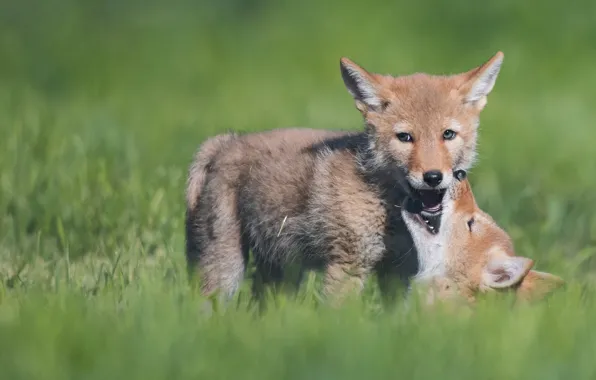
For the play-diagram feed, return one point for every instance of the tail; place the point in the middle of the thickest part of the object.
(198, 169)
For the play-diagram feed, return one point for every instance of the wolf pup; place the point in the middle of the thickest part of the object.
(331, 201)
(472, 254)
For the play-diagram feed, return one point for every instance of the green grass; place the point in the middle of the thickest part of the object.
(102, 105)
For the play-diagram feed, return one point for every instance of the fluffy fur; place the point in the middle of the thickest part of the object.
(331, 200)
(472, 254)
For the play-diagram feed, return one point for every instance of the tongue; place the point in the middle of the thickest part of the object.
(431, 200)
(432, 209)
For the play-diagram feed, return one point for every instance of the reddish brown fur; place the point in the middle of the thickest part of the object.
(470, 252)
(328, 199)
(425, 106)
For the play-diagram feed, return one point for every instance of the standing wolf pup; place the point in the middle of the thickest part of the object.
(331, 200)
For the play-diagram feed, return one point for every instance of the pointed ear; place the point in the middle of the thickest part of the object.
(506, 271)
(362, 85)
(537, 285)
(480, 81)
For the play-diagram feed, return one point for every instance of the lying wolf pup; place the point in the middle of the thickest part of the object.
(471, 254)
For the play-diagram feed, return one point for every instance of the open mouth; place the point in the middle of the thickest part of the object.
(427, 205)
(431, 200)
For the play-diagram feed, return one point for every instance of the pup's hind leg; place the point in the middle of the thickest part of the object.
(273, 277)
(267, 277)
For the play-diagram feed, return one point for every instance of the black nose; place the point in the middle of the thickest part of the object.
(433, 178)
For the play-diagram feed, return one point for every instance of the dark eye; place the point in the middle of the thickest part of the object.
(470, 222)
(449, 134)
(404, 137)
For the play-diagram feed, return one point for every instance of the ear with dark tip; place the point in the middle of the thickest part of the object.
(480, 81)
(505, 272)
(537, 285)
(361, 85)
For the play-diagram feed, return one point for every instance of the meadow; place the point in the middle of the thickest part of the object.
(102, 105)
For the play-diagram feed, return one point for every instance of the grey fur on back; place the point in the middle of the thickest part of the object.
(296, 195)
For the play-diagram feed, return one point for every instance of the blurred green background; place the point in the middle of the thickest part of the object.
(103, 103)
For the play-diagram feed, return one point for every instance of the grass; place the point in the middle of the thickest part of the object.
(102, 105)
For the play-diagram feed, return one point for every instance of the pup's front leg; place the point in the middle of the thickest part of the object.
(342, 280)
